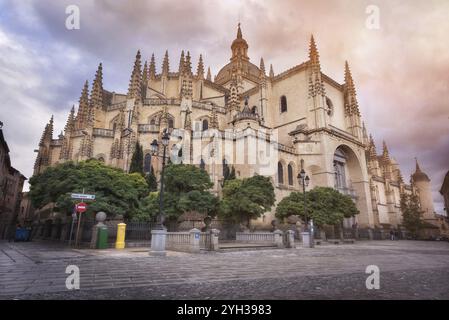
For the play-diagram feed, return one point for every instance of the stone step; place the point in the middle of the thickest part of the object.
(246, 247)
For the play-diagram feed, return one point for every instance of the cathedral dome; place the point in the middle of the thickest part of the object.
(248, 69)
(239, 61)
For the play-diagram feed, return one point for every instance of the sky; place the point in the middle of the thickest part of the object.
(401, 68)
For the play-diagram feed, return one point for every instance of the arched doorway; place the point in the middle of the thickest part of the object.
(348, 178)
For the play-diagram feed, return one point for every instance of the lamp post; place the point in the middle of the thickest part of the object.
(307, 234)
(159, 233)
(154, 149)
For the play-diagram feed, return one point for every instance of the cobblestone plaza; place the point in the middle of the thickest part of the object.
(408, 270)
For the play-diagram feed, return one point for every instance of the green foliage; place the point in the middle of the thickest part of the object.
(136, 165)
(183, 178)
(186, 189)
(323, 205)
(246, 199)
(151, 180)
(411, 214)
(116, 192)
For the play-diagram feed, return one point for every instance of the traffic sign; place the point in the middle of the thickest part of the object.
(81, 207)
(83, 196)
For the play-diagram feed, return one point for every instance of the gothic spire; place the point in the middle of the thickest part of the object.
(96, 97)
(262, 67)
(316, 85)
(271, 71)
(47, 134)
(234, 100)
(135, 83)
(69, 126)
(351, 104)
(188, 64)
(214, 118)
(313, 53)
(200, 68)
(165, 64)
(209, 76)
(152, 68)
(144, 80)
(83, 109)
(372, 148)
(181, 64)
(385, 153)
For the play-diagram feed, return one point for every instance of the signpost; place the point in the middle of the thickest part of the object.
(83, 196)
(80, 207)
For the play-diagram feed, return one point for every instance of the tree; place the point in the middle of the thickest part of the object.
(150, 177)
(115, 191)
(186, 189)
(324, 205)
(411, 214)
(136, 165)
(246, 199)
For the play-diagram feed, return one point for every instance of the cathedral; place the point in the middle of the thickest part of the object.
(256, 121)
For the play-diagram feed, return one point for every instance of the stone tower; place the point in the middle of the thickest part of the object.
(422, 183)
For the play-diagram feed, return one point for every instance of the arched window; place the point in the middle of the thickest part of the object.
(205, 125)
(283, 104)
(153, 122)
(170, 123)
(280, 173)
(101, 159)
(330, 106)
(254, 109)
(290, 174)
(339, 169)
(147, 163)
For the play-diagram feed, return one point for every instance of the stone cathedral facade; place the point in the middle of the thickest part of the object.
(257, 121)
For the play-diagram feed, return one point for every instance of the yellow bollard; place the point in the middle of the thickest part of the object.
(120, 242)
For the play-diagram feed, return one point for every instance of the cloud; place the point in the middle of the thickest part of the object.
(400, 70)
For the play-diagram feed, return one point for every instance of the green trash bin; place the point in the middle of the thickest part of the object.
(102, 238)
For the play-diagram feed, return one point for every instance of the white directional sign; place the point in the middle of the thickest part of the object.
(83, 196)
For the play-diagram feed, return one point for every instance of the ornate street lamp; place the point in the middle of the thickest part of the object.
(154, 149)
(304, 180)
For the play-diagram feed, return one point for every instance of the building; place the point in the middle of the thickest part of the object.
(445, 193)
(26, 210)
(258, 122)
(11, 185)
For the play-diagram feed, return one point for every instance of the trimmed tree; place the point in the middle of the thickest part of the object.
(246, 199)
(186, 189)
(115, 191)
(411, 214)
(324, 205)
(136, 165)
(150, 177)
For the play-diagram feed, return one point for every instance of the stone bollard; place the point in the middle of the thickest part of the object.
(120, 243)
(307, 239)
(290, 237)
(278, 238)
(100, 217)
(158, 239)
(195, 240)
(215, 233)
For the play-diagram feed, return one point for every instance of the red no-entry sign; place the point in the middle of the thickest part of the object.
(81, 207)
